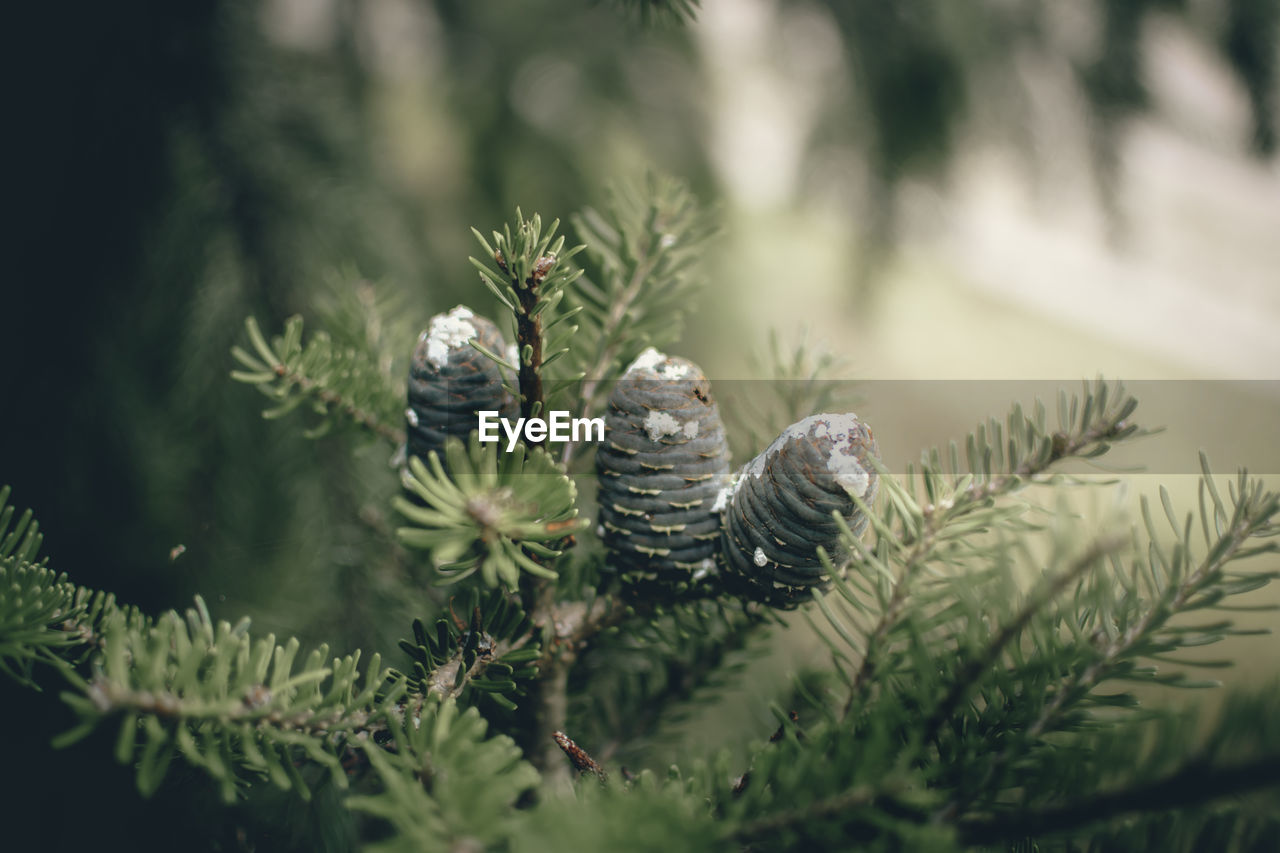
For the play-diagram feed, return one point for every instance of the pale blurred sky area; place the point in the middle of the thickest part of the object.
(1010, 265)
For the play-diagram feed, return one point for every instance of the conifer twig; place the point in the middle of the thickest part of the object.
(690, 679)
(973, 670)
(109, 697)
(445, 681)
(333, 399)
(618, 311)
(935, 517)
(588, 399)
(1087, 678)
(1186, 787)
(642, 244)
(340, 379)
(1110, 651)
(582, 761)
(567, 627)
(529, 343)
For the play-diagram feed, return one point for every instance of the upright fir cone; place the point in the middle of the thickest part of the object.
(778, 510)
(663, 460)
(450, 381)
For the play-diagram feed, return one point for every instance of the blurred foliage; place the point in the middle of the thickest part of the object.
(923, 72)
(670, 11)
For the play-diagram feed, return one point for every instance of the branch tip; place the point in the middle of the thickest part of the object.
(582, 762)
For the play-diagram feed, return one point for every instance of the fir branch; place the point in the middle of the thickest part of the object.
(37, 618)
(34, 598)
(451, 679)
(1032, 452)
(1195, 784)
(494, 655)
(530, 280)
(447, 785)
(1109, 635)
(681, 685)
(1252, 516)
(341, 384)
(629, 680)
(1034, 606)
(225, 702)
(360, 315)
(527, 269)
(19, 541)
(44, 617)
(529, 345)
(824, 789)
(504, 515)
(572, 625)
(829, 808)
(639, 255)
(942, 647)
(619, 308)
(551, 713)
(112, 697)
(653, 812)
(567, 627)
(796, 383)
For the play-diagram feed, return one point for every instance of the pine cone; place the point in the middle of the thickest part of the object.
(449, 380)
(779, 508)
(663, 461)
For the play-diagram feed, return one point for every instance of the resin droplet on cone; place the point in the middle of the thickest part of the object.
(778, 511)
(663, 461)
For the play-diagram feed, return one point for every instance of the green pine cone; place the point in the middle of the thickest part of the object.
(779, 509)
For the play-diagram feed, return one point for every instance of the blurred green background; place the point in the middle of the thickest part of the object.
(1004, 189)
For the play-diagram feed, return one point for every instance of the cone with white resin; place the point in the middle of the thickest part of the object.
(779, 509)
(450, 381)
(663, 461)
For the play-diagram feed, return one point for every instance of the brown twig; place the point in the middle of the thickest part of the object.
(566, 628)
(529, 337)
(582, 761)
